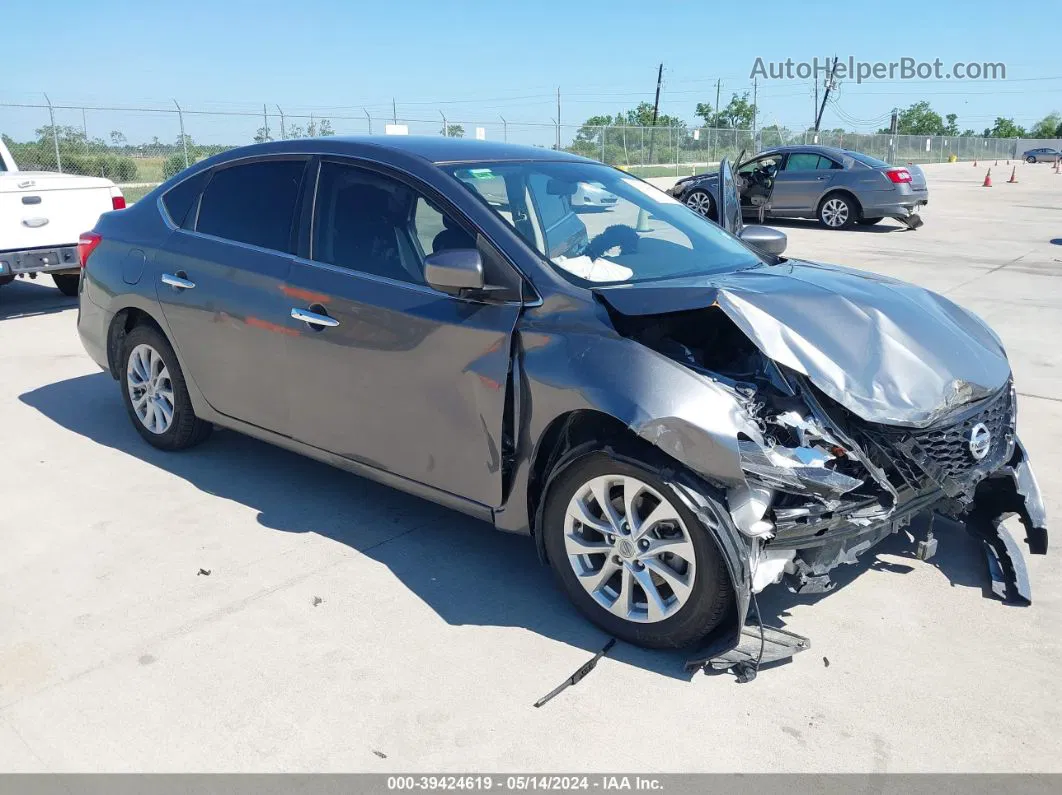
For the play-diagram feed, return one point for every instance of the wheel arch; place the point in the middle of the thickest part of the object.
(124, 321)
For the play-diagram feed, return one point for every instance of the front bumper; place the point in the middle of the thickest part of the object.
(54, 259)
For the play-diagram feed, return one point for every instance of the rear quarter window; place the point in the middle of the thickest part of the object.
(181, 199)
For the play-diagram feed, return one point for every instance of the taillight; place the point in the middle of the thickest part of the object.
(898, 175)
(117, 202)
(86, 244)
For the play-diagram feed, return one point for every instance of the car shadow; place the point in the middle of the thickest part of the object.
(467, 572)
(885, 226)
(26, 298)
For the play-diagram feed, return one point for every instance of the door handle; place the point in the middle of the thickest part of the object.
(314, 319)
(178, 281)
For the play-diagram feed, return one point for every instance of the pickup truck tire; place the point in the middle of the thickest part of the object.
(150, 370)
(67, 282)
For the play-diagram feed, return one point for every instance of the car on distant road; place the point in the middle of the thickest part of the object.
(41, 215)
(677, 417)
(839, 187)
(1042, 155)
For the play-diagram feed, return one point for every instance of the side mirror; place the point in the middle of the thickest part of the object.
(454, 271)
(764, 238)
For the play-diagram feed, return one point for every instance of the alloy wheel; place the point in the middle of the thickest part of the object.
(629, 548)
(150, 390)
(835, 213)
(700, 202)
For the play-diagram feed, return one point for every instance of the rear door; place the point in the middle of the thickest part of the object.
(221, 283)
(389, 371)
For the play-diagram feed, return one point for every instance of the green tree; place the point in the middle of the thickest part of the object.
(1047, 127)
(451, 131)
(738, 113)
(968, 133)
(118, 138)
(325, 128)
(1004, 128)
(262, 135)
(921, 119)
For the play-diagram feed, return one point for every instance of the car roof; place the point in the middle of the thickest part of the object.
(812, 148)
(435, 149)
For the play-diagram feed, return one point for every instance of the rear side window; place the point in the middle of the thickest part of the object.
(181, 200)
(867, 160)
(253, 203)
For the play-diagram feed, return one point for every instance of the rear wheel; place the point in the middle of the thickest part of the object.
(631, 557)
(67, 282)
(1030, 159)
(869, 221)
(701, 203)
(837, 211)
(155, 394)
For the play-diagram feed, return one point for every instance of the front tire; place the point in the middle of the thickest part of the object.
(634, 559)
(67, 283)
(838, 211)
(1030, 159)
(701, 203)
(155, 394)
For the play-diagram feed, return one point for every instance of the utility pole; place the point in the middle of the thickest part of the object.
(826, 95)
(718, 85)
(283, 127)
(558, 119)
(184, 139)
(656, 110)
(754, 95)
(815, 107)
(892, 129)
(394, 111)
(84, 124)
(265, 124)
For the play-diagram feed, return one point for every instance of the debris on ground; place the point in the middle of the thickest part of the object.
(317, 600)
(575, 678)
(380, 754)
(203, 572)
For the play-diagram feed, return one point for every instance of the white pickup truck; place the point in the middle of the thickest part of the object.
(42, 216)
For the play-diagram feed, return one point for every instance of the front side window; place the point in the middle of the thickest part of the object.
(253, 203)
(644, 235)
(371, 223)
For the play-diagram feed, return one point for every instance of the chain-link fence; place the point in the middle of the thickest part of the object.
(140, 147)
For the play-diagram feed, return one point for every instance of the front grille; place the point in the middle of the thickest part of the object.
(942, 452)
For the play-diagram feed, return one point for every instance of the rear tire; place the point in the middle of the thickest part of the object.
(838, 211)
(67, 283)
(1030, 159)
(679, 616)
(162, 411)
(870, 221)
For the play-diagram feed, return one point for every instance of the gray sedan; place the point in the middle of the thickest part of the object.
(840, 188)
(678, 418)
(1042, 155)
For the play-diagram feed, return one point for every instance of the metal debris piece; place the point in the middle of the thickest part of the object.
(778, 644)
(575, 678)
(380, 754)
(826, 662)
(317, 600)
(203, 572)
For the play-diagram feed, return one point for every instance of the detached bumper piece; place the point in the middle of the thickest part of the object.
(755, 647)
(1011, 491)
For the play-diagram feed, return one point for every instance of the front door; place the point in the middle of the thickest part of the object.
(220, 281)
(387, 371)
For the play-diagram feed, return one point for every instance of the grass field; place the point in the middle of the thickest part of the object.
(149, 169)
(136, 193)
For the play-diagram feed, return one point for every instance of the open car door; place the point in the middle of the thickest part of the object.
(729, 200)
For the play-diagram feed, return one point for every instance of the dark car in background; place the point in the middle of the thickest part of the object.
(1044, 154)
(838, 187)
(677, 418)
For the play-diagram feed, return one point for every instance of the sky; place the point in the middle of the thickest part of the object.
(475, 62)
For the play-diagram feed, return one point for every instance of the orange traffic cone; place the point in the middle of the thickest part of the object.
(988, 180)
(1013, 175)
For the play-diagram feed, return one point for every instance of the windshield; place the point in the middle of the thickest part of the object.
(597, 224)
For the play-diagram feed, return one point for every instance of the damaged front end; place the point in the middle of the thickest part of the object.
(822, 484)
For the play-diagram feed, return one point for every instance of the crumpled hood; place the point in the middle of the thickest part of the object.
(888, 351)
